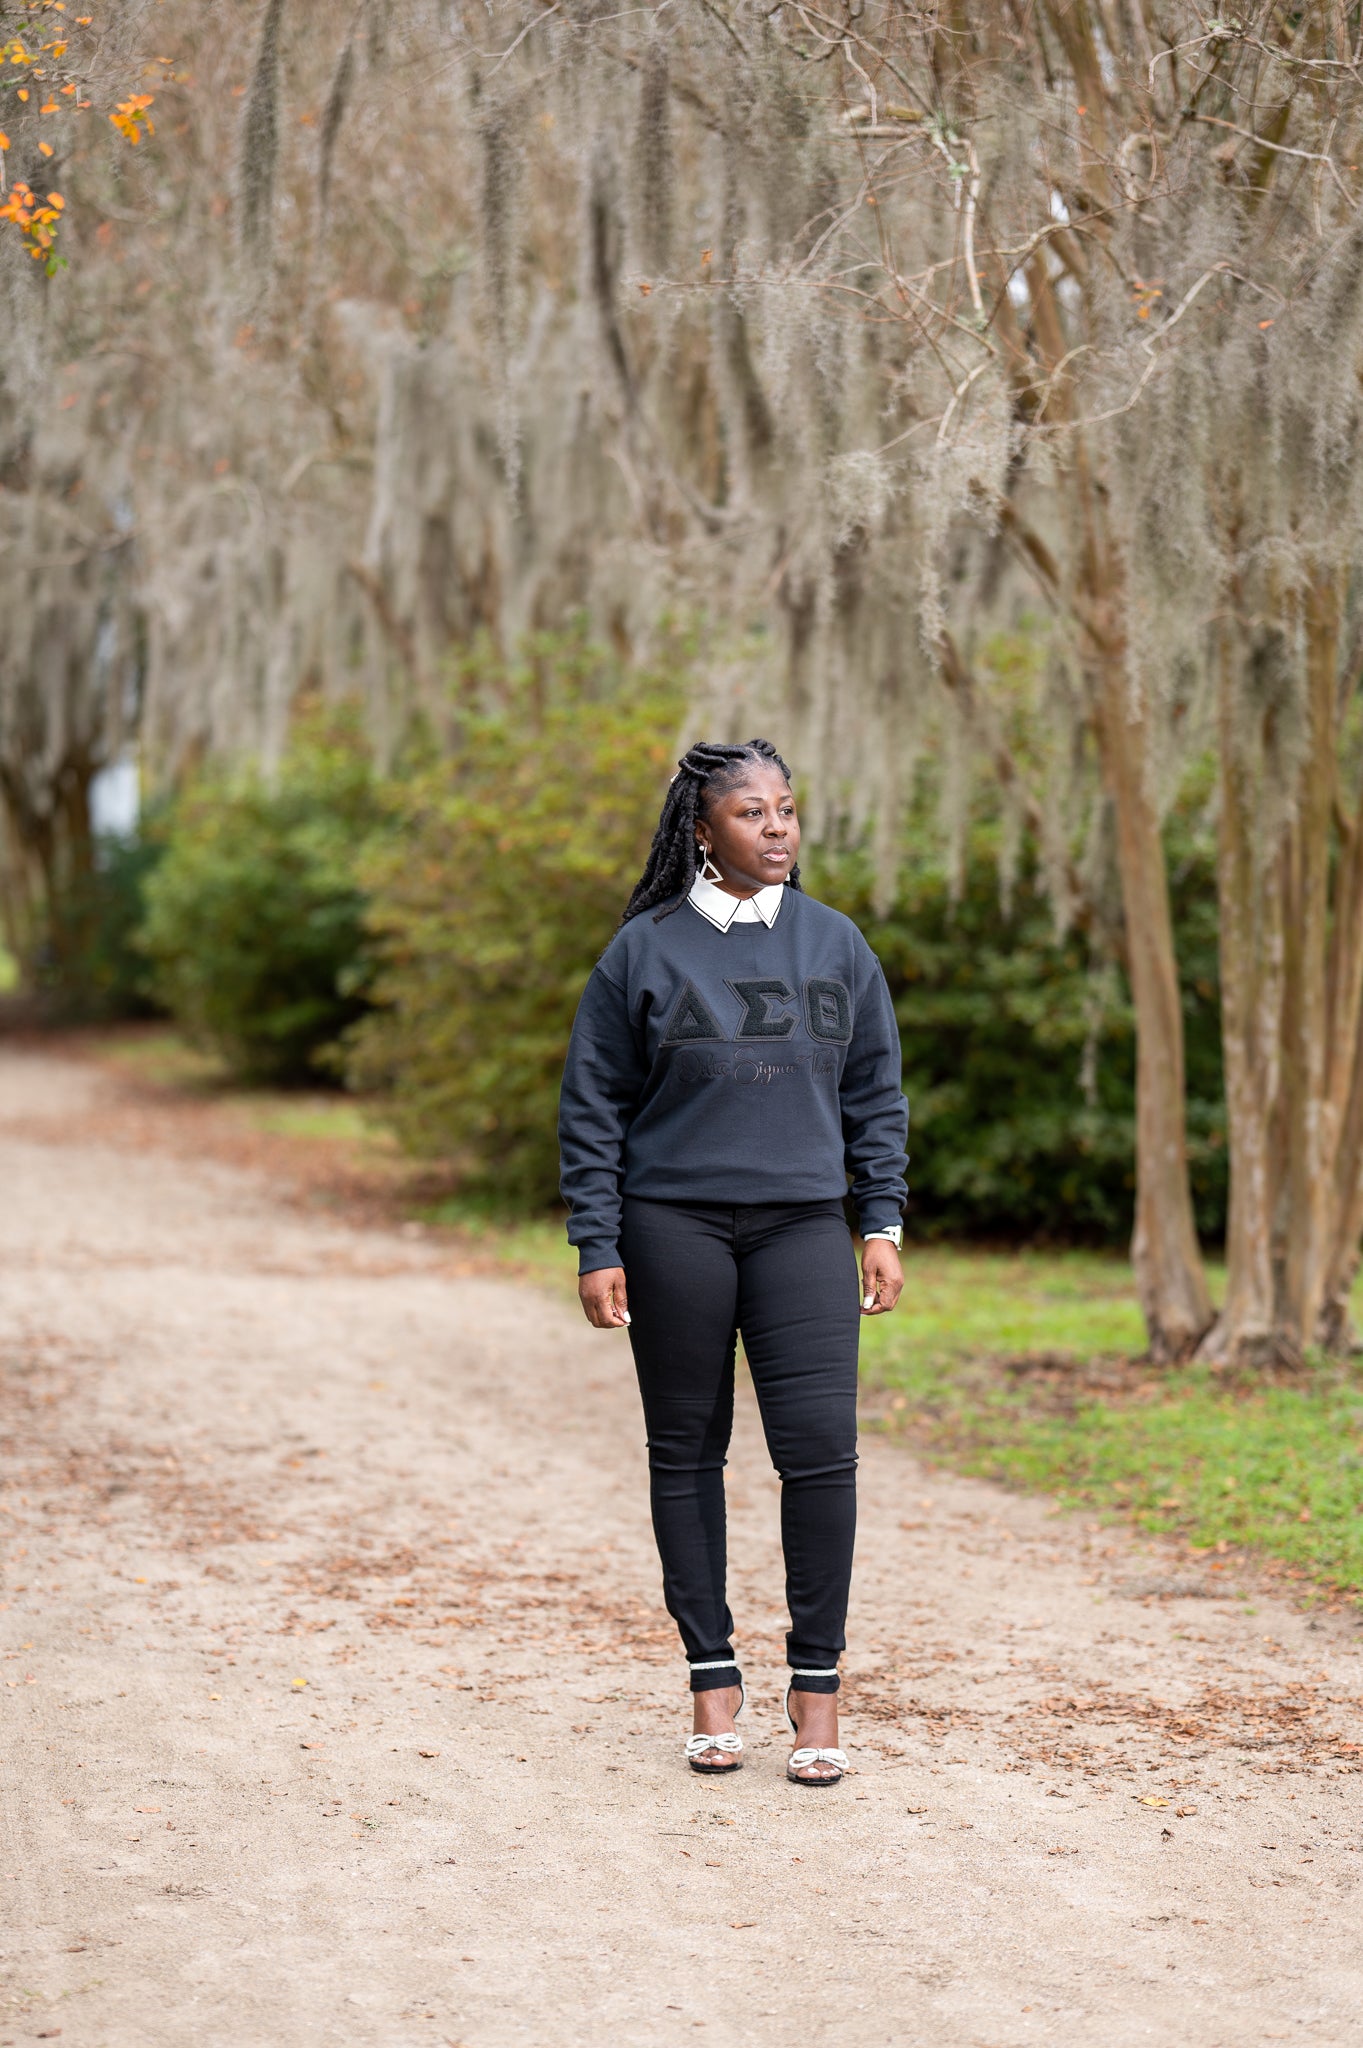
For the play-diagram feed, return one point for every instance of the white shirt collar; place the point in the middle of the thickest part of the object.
(722, 909)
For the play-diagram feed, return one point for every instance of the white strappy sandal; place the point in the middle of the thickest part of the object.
(800, 1759)
(730, 1743)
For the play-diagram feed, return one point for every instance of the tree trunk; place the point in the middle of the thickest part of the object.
(46, 863)
(1171, 1281)
(1292, 1007)
(1170, 1278)
(1344, 1087)
(1312, 1119)
(1334, 1330)
(1251, 952)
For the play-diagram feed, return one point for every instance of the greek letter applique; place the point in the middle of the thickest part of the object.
(828, 1010)
(691, 1019)
(758, 999)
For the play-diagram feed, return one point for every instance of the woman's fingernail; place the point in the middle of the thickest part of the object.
(624, 1315)
(869, 1302)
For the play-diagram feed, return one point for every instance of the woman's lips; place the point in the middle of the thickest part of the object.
(776, 859)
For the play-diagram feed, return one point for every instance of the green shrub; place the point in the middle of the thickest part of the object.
(88, 967)
(1019, 1059)
(254, 914)
(492, 901)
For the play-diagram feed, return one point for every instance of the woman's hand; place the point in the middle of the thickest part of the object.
(602, 1295)
(882, 1277)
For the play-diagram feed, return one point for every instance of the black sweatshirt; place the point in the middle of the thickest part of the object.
(741, 1066)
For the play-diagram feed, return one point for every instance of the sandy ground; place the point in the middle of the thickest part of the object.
(340, 1707)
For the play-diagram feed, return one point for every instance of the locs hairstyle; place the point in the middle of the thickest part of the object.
(703, 773)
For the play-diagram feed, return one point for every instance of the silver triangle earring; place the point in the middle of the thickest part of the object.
(708, 871)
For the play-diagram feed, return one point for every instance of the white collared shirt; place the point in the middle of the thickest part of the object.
(721, 909)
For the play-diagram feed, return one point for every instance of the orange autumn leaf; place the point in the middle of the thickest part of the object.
(44, 149)
(130, 117)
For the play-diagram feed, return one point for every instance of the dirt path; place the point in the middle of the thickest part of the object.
(340, 1707)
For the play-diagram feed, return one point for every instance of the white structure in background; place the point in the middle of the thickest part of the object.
(115, 800)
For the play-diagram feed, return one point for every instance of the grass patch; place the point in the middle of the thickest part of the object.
(9, 972)
(534, 1246)
(958, 1302)
(312, 1116)
(1007, 1367)
(163, 1059)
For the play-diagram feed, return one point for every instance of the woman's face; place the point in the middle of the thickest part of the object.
(752, 831)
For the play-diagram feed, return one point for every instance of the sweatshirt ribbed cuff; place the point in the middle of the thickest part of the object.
(880, 1216)
(592, 1257)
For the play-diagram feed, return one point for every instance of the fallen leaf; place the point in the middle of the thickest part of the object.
(215, 1695)
(428, 1752)
(146, 1809)
(917, 1809)
(742, 1923)
(1185, 1812)
(1153, 1799)
(299, 1683)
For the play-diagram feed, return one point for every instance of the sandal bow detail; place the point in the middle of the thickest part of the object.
(729, 1743)
(801, 1760)
(696, 1746)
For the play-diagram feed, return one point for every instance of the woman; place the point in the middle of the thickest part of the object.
(734, 1059)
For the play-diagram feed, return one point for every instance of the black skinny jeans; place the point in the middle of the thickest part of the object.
(785, 1276)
